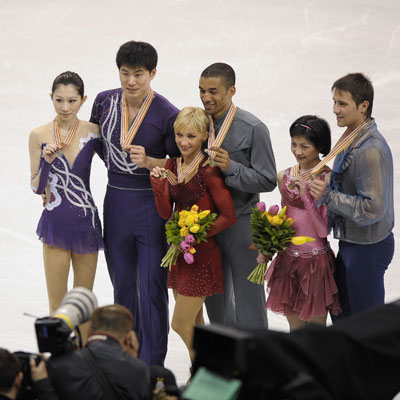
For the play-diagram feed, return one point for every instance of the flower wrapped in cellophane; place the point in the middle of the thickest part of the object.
(183, 230)
(271, 232)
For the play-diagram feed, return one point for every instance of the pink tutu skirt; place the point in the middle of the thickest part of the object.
(302, 286)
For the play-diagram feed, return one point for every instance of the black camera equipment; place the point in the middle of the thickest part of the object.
(54, 334)
(26, 391)
(358, 357)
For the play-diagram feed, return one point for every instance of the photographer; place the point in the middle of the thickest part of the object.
(113, 347)
(12, 378)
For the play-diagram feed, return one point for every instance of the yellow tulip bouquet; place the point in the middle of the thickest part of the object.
(271, 233)
(183, 230)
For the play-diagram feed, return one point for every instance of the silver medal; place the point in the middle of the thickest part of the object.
(59, 153)
(124, 154)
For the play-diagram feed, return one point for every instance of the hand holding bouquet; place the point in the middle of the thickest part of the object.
(271, 233)
(183, 230)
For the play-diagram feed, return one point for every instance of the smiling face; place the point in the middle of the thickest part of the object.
(135, 82)
(215, 96)
(67, 102)
(189, 142)
(305, 152)
(348, 114)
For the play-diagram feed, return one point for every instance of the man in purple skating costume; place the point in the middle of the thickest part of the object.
(137, 132)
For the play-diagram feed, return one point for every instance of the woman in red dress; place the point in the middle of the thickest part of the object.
(202, 185)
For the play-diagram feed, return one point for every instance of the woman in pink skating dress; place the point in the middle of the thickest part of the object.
(300, 280)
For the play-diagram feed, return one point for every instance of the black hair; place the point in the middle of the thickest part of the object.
(69, 78)
(137, 54)
(359, 86)
(314, 129)
(9, 368)
(221, 70)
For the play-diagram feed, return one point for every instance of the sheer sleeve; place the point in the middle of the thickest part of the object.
(222, 199)
(40, 169)
(318, 216)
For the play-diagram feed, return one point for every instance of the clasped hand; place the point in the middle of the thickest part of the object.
(300, 183)
(137, 155)
(50, 152)
(221, 156)
(157, 172)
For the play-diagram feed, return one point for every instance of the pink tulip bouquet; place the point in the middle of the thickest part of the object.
(271, 233)
(183, 231)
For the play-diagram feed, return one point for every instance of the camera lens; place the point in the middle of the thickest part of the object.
(76, 307)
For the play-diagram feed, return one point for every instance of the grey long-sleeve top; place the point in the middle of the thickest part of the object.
(359, 197)
(252, 168)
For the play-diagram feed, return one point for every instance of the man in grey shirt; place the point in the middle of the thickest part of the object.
(359, 197)
(242, 150)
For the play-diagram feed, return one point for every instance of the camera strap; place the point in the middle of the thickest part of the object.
(98, 373)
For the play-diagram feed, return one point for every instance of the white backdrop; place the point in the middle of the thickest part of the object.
(286, 56)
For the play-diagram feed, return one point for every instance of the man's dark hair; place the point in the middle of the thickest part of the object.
(9, 368)
(223, 71)
(137, 54)
(115, 319)
(360, 88)
(314, 129)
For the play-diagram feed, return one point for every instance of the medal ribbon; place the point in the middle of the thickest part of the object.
(295, 171)
(189, 171)
(342, 144)
(127, 136)
(70, 134)
(216, 142)
(172, 179)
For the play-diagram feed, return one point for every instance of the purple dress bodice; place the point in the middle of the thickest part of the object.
(70, 219)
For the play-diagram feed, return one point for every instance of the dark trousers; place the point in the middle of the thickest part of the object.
(134, 238)
(359, 275)
(243, 303)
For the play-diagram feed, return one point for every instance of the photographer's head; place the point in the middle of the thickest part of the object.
(117, 321)
(10, 374)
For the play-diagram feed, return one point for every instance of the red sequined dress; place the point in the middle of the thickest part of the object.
(206, 189)
(300, 280)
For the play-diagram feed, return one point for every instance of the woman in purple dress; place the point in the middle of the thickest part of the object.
(300, 280)
(61, 153)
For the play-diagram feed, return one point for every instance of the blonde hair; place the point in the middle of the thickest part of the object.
(191, 117)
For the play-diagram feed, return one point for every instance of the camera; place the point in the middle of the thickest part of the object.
(54, 333)
(26, 391)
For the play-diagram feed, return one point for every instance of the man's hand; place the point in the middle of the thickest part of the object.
(221, 158)
(38, 372)
(317, 188)
(131, 344)
(137, 155)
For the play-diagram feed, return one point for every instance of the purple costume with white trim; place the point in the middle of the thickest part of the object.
(134, 233)
(70, 220)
